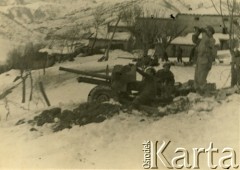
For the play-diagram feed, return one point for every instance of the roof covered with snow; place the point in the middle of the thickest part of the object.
(120, 24)
(63, 50)
(118, 36)
(187, 40)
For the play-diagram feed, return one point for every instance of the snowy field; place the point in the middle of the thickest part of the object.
(116, 142)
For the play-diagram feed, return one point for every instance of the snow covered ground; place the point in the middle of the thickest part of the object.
(116, 142)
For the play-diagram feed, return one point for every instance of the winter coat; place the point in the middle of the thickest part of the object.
(165, 77)
(149, 84)
(206, 51)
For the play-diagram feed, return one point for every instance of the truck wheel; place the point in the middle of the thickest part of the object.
(100, 94)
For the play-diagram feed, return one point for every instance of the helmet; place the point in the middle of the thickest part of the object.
(167, 64)
(151, 69)
(211, 29)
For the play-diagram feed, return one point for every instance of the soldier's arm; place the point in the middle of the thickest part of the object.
(213, 49)
(159, 76)
(143, 73)
(195, 36)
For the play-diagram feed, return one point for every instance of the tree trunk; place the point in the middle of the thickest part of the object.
(23, 89)
(31, 84)
(157, 50)
(45, 65)
(145, 49)
(94, 42)
(231, 39)
(233, 76)
(8, 91)
(234, 73)
(110, 42)
(44, 93)
(23, 85)
(107, 70)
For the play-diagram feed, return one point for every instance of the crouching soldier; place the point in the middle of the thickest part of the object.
(165, 82)
(148, 91)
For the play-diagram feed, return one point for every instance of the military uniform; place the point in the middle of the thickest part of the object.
(206, 53)
(165, 83)
(165, 77)
(179, 54)
(149, 90)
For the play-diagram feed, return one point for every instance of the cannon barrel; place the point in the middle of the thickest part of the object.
(130, 58)
(93, 81)
(102, 76)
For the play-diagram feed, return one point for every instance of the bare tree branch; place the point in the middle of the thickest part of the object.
(215, 7)
(31, 85)
(7, 107)
(42, 90)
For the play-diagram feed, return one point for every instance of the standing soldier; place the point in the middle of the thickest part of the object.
(206, 52)
(179, 52)
(193, 52)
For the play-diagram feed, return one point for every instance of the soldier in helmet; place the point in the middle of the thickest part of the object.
(165, 75)
(165, 81)
(148, 91)
(206, 53)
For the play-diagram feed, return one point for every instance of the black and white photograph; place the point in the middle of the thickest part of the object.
(119, 84)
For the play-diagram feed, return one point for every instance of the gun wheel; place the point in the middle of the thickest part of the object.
(100, 94)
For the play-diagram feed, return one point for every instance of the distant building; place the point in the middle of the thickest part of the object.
(185, 42)
(122, 38)
(201, 17)
(121, 27)
(204, 16)
(191, 20)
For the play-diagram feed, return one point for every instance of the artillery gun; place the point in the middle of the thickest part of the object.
(121, 82)
(121, 85)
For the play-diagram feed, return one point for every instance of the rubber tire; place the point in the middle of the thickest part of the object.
(100, 94)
